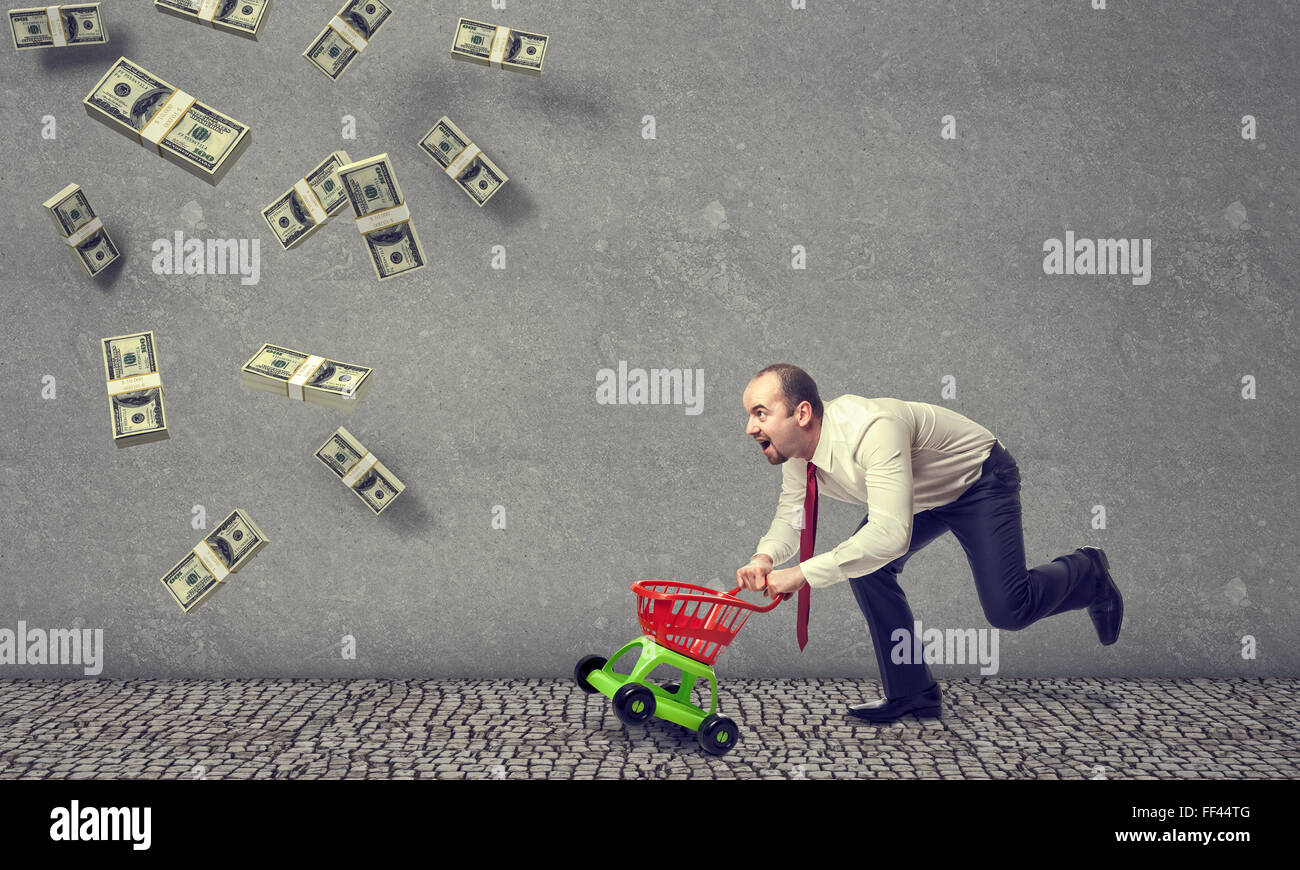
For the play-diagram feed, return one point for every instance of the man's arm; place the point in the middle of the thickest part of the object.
(782, 538)
(886, 453)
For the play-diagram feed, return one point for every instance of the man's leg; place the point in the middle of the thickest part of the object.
(986, 522)
(885, 607)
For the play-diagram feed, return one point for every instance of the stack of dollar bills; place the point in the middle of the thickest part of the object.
(222, 553)
(360, 471)
(57, 26)
(82, 229)
(306, 206)
(167, 121)
(463, 161)
(135, 398)
(382, 217)
(240, 17)
(500, 47)
(346, 35)
(306, 377)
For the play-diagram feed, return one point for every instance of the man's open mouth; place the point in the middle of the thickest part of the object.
(764, 444)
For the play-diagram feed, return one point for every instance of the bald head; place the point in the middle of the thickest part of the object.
(784, 426)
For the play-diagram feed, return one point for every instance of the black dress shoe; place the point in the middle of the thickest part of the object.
(926, 703)
(1107, 611)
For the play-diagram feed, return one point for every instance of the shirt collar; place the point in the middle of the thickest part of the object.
(822, 456)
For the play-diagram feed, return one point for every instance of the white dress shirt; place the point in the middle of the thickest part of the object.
(898, 458)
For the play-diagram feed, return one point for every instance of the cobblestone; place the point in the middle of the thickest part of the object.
(549, 729)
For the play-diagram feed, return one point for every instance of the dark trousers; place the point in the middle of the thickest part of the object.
(985, 519)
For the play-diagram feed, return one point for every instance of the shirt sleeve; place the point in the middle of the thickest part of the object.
(782, 538)
(885, 453)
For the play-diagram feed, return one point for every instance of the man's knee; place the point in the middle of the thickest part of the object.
(1007, 618)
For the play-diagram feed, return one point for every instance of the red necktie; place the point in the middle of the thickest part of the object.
(807, 535)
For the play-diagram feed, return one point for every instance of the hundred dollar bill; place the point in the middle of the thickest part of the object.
(308, 204)
(230, 547)
(360, 471)
(190, 581)
(382, 217)
(395, 250)
(307, 377)
(135, 397)
(167, 120)
(241, 17)
(346, 35)
(81, 228)
(463, 161)
(57, 26)
(500, 47)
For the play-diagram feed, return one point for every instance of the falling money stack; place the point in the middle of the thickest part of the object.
(222, 553)
(382, 217)
(306, 377)
(57, 26)
(500, 47)
(463, 161)
(346, 35)
(167, 121)
(308, 204)
(82, 229)
(135, 399)
(241, 17)
(360, 471)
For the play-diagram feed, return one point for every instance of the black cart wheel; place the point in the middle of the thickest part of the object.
(585, 666)
(634, 703)
(717, 734)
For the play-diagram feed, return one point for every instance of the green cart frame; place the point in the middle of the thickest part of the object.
(636, 699)
(692, 618)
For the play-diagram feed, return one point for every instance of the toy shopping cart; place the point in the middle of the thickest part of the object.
(686, 627)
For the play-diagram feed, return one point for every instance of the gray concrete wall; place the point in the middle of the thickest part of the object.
(774, 128)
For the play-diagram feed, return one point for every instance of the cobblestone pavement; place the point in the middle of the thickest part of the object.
(546, 728)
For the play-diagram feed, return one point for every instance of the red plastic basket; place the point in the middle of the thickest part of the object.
(692, 620)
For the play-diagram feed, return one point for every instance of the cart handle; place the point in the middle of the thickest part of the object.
(710, 596)
(784, 596)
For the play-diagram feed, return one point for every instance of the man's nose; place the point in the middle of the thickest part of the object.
(751, 428)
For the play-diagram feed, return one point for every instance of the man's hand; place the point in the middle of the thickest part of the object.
(784, 582)
(754, 575)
